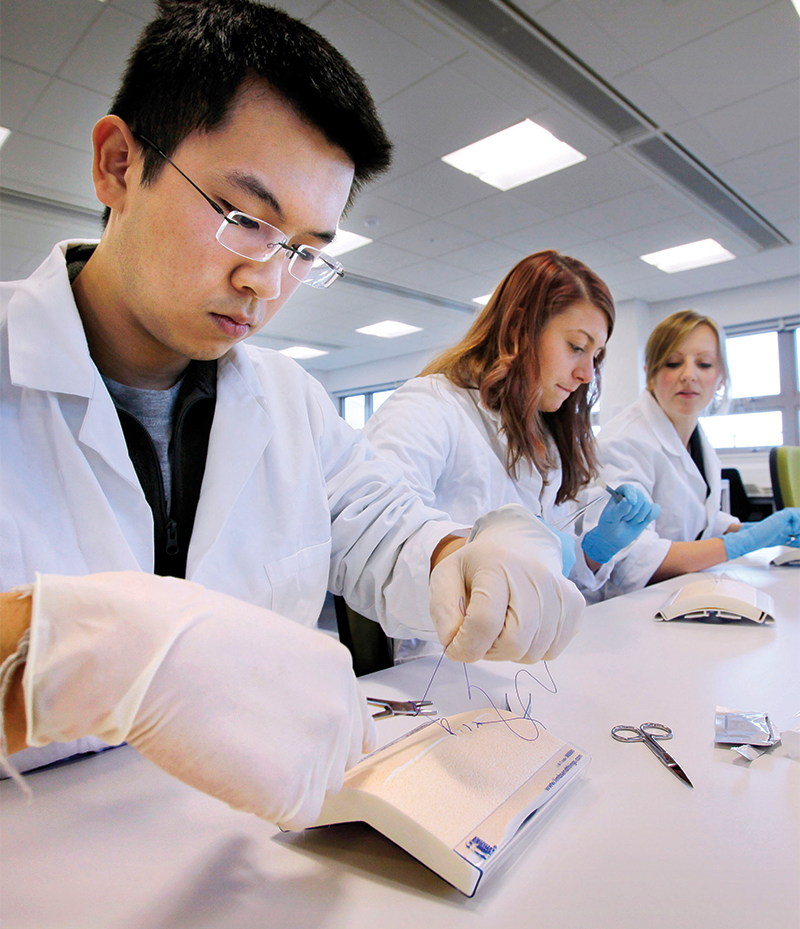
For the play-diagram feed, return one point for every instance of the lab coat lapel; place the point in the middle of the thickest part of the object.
(241, 430)
(670, 441)
(60, 363)
(49, 356)
(713, 468)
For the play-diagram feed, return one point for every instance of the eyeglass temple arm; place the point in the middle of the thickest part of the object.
(205, 196)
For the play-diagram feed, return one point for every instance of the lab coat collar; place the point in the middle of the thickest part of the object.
(662, 426)
(60, 362)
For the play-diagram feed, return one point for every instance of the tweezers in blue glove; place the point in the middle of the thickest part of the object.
(621, 522)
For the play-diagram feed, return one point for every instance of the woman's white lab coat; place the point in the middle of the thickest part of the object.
(293, 501)
(640, 446)
(452, 453)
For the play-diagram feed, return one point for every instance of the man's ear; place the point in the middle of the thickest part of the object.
(116, 162)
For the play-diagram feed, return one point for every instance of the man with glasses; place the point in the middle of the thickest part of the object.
(140, 436)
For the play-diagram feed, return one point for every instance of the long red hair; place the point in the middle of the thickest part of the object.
(499, 357)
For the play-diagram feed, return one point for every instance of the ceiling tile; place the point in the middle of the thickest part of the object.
(770, 169)
(593, 181)
(66, 114)
(20, 88)
(568, 22)
(416, 26)
(435, 189)
(433, 238)
(640, 208)
(501, 80)
(772, 117)
(648, 30)
(41, 35)
(388, 62)
(144, 9)
(754, 53)
(444, 112)
(496, 215)
(376, 217)
(100, 57)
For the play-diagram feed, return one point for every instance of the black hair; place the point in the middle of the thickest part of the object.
(193, 59)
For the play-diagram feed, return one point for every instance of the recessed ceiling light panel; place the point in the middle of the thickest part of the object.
(515, 156)
(389, 329)
(686, 257)
(302, 352)
(345, 242)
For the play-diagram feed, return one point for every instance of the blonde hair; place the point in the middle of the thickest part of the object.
(499, 357)
(667, 338)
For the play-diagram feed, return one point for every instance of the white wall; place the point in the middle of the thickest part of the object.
(382, 373)
(623, 371)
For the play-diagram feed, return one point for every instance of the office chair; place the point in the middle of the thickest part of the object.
(368, 643)
(784, 472)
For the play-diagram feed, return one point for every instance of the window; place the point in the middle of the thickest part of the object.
(356, 409)
(765, 388)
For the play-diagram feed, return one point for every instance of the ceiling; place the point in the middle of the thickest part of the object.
(688, 112)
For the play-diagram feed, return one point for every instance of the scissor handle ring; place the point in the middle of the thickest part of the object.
(636, 737)
(645, 727)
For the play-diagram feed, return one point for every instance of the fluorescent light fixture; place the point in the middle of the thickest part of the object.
(389, 329)
(797, 6)
(515, 156)
(482, 300)
(345, 242)
(4, 134)
(302, 352)
(686, 257)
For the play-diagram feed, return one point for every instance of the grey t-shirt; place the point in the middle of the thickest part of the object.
(155, 410)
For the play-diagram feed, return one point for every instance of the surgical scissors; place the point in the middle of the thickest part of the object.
(400, 708)
(651, 734)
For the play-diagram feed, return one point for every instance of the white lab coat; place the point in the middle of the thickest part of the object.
(293, 501)
(640, 446)
(453, 454)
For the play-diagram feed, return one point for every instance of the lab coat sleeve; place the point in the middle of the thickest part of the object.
(413, 429)
(382, 534)
(722, 522)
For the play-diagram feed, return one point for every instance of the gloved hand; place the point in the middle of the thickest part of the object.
(567, 542)
(620, 523)
(517, 604)
(228, 697)
(777, 529)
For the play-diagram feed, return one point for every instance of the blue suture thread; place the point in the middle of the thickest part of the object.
(500, 719)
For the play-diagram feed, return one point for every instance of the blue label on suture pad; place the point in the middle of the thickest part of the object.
(480, 847)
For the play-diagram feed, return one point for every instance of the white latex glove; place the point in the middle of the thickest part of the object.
(517, 605)
(230, 698)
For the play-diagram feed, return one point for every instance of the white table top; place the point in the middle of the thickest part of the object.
(113, 842)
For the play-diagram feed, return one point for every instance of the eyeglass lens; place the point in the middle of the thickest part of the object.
(252, 238)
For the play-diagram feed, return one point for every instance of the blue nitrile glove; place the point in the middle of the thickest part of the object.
(620, 523)
(567, 541)
(781, 528)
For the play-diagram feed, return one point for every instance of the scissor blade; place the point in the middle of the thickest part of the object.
(666, 759)
(678, 771)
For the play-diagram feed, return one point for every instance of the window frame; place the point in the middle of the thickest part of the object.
(787, 402)
(367, 393)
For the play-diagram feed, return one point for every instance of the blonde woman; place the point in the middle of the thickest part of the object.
(658, 445)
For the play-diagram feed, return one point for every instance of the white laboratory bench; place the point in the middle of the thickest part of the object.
(111, 842)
